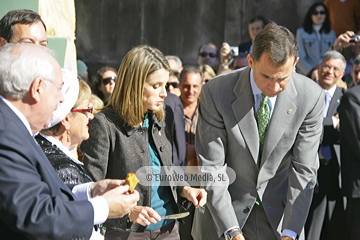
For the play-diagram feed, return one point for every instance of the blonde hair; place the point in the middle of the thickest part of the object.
(84, 93)
(208, 72)
(97, 103)
(127, 97)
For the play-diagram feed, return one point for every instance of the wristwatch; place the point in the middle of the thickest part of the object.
(230, 235)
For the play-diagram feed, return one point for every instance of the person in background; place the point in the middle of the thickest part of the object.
(344, 15)
(326, 213)
(265, 123)
(135, 130)
(31, 191)
(256, 24)
(175, 63)
(82, 71)
(208, 72)
(314, 38)
(191, 81)
(22, 25)
(208, 54)
(172, 85)
(104, 83)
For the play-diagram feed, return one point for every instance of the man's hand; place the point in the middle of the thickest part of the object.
(116, 194)
(196, 195)
(239, 237)
(343, 41)
(101, 187)
(225, 53)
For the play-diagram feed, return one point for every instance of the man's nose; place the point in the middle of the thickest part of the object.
(274, 87)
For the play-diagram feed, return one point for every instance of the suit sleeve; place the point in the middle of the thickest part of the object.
(211, 142)
(349, 112)
(33, 204)
(303, 167)
(179, 138)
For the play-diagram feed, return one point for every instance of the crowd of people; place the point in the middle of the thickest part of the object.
(281, 110)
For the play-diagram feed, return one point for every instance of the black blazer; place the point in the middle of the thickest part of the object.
(179, 142)
(34, 202)
(349, 112)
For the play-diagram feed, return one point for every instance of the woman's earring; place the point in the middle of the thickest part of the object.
(68, 135)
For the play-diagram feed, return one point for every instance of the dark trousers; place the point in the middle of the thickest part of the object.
(327, 215)
(353, 218)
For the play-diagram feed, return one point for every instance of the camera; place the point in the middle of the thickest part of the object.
(355, 38)
(234, 51)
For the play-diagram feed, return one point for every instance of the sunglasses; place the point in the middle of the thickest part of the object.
(173, 84)
(86, 111)
(108, 80)
(318, 12)
(205, 54)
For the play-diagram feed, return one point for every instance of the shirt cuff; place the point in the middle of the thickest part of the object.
(101, 209)
(336, 122)
(289, 233)
(230, 229)
(81, 191)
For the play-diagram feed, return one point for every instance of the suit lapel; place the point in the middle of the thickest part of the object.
(243, 108)
(334, 103)
(282, 114)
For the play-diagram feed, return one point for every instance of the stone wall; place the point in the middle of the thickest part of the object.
(107, 29)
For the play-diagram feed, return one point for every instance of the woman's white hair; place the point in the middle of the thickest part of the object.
(20, 65)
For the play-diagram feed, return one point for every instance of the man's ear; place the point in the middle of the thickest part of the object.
(2, 41)
(250, 61)
(36, 90)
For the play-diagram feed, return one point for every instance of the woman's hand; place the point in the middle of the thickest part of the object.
(144, 215)
(196, 195)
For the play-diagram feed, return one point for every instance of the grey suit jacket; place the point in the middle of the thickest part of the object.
(115, 149)
(227, 133)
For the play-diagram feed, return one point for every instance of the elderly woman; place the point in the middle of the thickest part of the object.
(133, 131)
(68, 127)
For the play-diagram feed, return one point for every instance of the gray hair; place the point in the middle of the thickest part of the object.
(177, 60)
(21, 64)
(334, 55)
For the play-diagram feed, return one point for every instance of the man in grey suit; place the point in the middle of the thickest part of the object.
(275, 168)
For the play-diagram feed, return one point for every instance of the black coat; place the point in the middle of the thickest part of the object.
(68, 171)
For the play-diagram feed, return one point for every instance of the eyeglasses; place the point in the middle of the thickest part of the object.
(173, 84)
(86, 111)
(108, 80)
(205, 54)
(328, 68)
(318, 12)
(61, 89)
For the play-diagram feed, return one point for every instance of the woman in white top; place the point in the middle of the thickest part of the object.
(314, 38)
